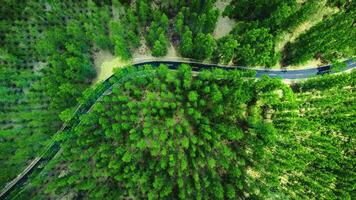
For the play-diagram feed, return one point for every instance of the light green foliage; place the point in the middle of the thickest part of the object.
(255, 138)
(179, 23)
(95, 24)
(143, 11)
(214, 135)
(193, 25)
(338, 66)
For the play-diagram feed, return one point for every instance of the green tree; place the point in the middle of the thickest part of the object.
(164, 21)
(121, 47)
(338, 66)
(186, 44)
(160, 46)
(143, 11)
(256, 48)
(226, 48)
(204, 46)
(179, 23)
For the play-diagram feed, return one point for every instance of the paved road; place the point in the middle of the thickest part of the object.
(36, 166)
(303, 73)
(282, 73)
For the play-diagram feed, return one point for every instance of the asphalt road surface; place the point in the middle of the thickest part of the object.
(282, 73)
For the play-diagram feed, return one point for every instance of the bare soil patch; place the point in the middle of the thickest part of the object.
(104, 63)
(224, 24)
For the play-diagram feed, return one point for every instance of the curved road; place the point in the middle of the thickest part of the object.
(36, 166)
(282, 73)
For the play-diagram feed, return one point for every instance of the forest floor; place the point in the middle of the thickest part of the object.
(224, 24)
(143, 52)
(293, 35)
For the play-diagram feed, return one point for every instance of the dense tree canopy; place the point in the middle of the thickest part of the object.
(177, 136)
(214, 135)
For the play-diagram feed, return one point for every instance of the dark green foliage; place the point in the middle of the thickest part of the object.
(256, 9)
(186, 45)
(256, 48)
(45, 63)
(226, 48)
(204, 46)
